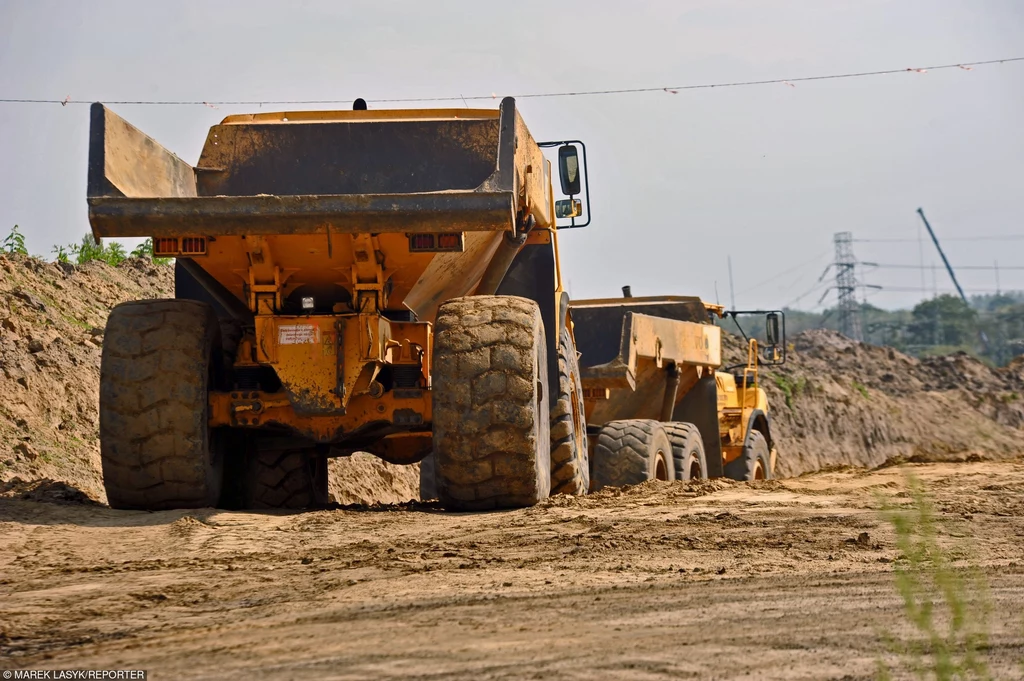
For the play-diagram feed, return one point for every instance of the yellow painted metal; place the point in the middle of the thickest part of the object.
(325, 361)
(259, 409)
(736, 405)
(272, 247)
(633, 384)
(659, 340)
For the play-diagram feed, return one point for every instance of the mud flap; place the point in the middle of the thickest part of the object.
(700, 407)
(763, 422)
(187, 288)
(532, 276)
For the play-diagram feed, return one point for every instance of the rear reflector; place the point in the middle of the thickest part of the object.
(434, 243)
(172, 247)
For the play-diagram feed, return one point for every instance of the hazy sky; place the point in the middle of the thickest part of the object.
(765, 174)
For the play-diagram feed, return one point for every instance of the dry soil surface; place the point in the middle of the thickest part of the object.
(788, 579)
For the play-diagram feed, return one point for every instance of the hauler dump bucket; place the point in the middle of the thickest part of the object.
(317, 172)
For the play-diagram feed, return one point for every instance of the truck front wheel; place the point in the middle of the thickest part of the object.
(755, 461)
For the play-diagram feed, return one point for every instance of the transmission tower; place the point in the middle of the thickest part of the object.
(846, 287)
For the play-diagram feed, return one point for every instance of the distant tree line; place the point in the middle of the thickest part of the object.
(86, 250)
(990, 327)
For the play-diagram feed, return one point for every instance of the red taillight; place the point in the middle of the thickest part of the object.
(165, 247)
(432, 243)
(421, 242)
(193, 245)
(172, 247)
(449, 242)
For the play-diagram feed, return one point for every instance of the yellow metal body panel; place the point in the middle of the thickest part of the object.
(407, 410)
(736, 405)
(322, 206)
(634, 383)
(658, 340)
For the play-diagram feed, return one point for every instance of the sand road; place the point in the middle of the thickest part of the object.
(665, 580)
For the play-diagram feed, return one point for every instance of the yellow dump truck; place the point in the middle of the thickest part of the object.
(658, 402)
(380, 281)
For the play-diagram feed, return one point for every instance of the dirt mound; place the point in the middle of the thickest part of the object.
(365, 479)
(52, 317)
(839, 402)
(836, 402)
(49, 491)
(51, 330)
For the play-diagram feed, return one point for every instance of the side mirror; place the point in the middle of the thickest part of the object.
(568, 208)
(772, 328)
(569, 170)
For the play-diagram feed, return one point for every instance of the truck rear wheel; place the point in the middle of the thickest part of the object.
(631, 452)
(160, 358)
(687, 451)
(754, 463)
(492, 440)
(570, 465)
(288, 479)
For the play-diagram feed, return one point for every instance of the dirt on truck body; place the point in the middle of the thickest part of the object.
(377, 281)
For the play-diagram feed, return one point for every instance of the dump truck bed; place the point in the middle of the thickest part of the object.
(626, 346)
(321, 172)
(615, 335)
(305, 202)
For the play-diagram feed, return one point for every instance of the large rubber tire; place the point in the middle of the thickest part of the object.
(755, 462)
(159, 360)
(285, 479)
(570, 463)
(428, 479)
(687, 451)
(631, 452)
(492, 440)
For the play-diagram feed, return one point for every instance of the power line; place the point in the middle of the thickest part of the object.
(802, 265)
(817, 286)
(988, 268)
(671, 89)
(994, 237)
(919, 289)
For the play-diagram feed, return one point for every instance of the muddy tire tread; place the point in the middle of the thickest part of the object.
(684, 438)
(622, 454)
(491, 439)
(154, 439)
(570, 464)
(743, 468)
(284, 479)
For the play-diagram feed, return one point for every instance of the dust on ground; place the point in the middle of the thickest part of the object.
(787, 579)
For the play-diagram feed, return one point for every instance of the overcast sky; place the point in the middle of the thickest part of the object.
(766, 174)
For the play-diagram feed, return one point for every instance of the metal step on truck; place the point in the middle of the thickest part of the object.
(659, 404)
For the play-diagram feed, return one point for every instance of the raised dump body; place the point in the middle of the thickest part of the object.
(657, 404)
(324, 246)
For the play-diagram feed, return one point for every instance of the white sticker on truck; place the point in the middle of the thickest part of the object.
(298, 334)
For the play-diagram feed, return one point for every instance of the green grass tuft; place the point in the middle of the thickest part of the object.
(947, 608)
